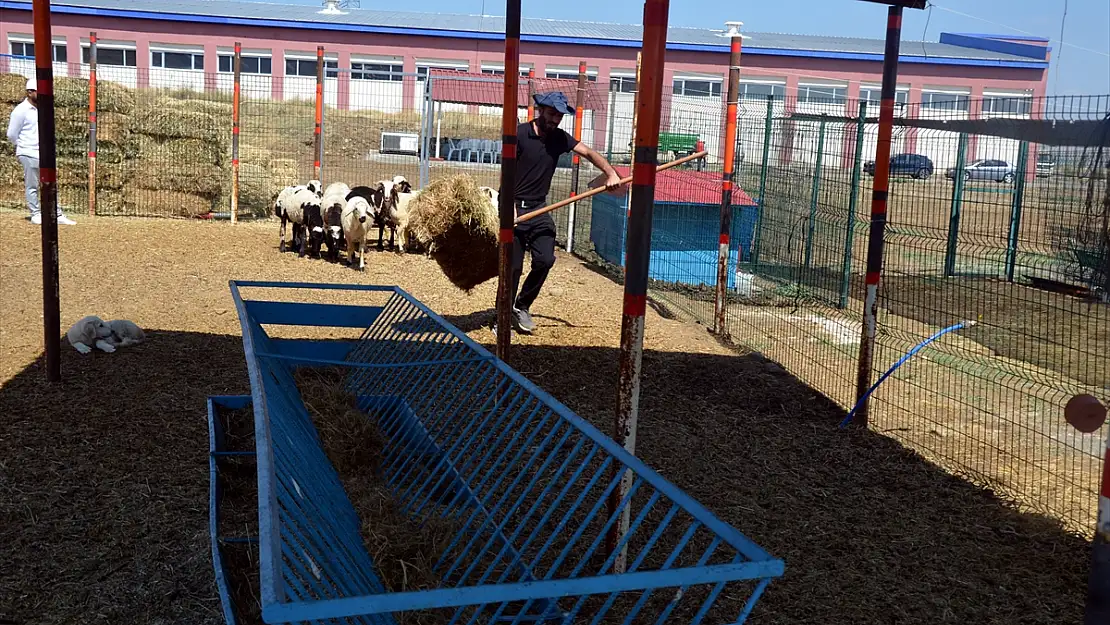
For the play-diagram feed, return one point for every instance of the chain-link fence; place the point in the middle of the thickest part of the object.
(993, 217)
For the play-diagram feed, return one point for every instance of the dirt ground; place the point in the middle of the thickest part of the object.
(104, 477)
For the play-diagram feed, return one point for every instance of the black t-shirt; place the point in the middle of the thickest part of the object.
(536, 159)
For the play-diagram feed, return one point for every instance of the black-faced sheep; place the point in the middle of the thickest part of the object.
(332, 204)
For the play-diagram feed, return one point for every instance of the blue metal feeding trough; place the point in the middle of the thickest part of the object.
(685, 228)
(526, 483)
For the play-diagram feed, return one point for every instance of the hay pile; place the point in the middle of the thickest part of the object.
(157, 154)
(457, 226)
(114, 145)
(404, 550)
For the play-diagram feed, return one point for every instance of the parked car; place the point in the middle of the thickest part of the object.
(916, 165)
(985, 169)
(1046, 163)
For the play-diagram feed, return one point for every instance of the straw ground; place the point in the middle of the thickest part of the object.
(103, 506)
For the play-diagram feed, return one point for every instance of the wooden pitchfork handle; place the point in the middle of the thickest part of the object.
(592, 192)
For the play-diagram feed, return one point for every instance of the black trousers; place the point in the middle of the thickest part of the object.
(537, 236)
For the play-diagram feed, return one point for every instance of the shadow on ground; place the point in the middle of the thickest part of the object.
(103, 501)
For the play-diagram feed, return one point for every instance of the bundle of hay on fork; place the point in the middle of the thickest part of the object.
(456, 224)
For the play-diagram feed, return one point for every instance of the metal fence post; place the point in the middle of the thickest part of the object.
(811, 229)
(507, 199)
(318, 148)
(954, 211)
(531, 91)
(645, 157)
(579, 109)
(879, 196)
(48, 194)
(92, 123)
(426, 132)
(762, 202)
(1098, 580)
(612, 114)
(853, 199)
(725, 232)
(235, 103)
(1015, 210)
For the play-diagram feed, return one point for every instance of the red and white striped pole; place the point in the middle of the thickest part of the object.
(235, 104)
(638, 252)
(725, 232)
(92, 123)
(1087, 414)
(506, 199)
(48, 189)
(318, 148)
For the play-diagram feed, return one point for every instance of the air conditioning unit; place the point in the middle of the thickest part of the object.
(400, 143)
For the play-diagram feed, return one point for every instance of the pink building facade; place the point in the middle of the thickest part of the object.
(372, 52)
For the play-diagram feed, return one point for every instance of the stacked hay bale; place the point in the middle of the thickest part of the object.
(260, 177)
(114, 145)
(181, 168)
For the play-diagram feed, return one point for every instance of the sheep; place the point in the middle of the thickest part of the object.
(386, 190)
(282, 200)
(491, 193)
(403, 183)
(331, 205)
(302, 207)
(316, 187)
(356, 225)
(396, 210)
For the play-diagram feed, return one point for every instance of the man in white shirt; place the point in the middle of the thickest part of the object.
(23, 131)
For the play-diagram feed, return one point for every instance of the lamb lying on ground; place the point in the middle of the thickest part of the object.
(90, 331)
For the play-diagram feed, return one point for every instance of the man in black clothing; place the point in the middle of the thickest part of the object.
(540, 143)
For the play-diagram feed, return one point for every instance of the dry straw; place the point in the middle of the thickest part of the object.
(167, 118)
(163, 203)
(197, 178)
(457, 226)
(403, 549)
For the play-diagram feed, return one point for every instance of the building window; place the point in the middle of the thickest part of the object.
(696, 87)
(422, 70)
(565, 75)
(249, 65)
(622, 84)
(393, 72)
(945, 101)
(307, 67)
(874, 96)
(1008, 105)
(177, 60)
(500, 71)
(27, 48)
(761, 91)
(822, 94)
(119, 57)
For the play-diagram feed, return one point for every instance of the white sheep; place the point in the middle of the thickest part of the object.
(125, 333)
(402, 183)
(316, 187)
(397, 217)
(332, 204)
(356, 225)
(90, 330)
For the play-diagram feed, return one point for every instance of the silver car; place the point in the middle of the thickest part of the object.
(986, 169)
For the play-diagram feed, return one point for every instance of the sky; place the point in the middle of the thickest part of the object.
(1081, 66)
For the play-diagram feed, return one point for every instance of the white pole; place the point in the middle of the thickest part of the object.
(439, 128)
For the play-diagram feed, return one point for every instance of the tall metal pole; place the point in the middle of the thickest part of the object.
(638, 249)
(853, 200)
(92, 123)
(318, 147)
(235, 104)
(531, 90)
(878, 211)
(506, 199)
(579, 109)
(726, 178)
(1098, 581)
(48, 197)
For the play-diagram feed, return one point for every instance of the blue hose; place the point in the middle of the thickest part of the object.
(901, 361)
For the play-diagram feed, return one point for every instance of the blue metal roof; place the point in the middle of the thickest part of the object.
(244, 13)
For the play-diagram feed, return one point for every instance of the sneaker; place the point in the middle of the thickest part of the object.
(523, 320)
(36, 219)
(66, 221)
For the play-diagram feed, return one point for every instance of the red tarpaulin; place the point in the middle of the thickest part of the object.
(691, 187)
(489, 90)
